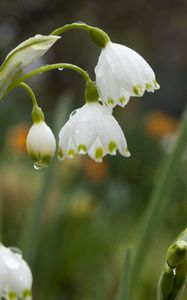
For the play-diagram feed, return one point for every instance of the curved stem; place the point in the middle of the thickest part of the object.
(48, 68)
(98, 36)
(67, 27)
(30, 92)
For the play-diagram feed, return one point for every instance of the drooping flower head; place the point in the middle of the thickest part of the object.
(93, 130)
(15, 275)
(121, 73)
(41, 144)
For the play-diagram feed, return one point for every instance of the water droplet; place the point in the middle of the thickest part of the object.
(73, 113)
(80, 22)
(38, 166)
(61, 69)
(15, 250)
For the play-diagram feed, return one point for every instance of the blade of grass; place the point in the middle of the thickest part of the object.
(123, 292)
(156, 209)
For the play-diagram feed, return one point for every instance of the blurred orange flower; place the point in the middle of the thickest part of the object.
(158, 124)
(16, 138)
(95, 172)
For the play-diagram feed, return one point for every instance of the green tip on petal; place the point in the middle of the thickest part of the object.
(99, 153)
(82, 149)
(40, 162)
(137, 89)
(71, 153)
(110, 101)
(122, 100)
(60, 154)
(27, 294)
(127, 153)
(148, 87)
(112, 146)
(12, 295)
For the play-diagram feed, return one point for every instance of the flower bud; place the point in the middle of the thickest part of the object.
(22, 56)
(41, 144)
(177, 253)
(165, 283)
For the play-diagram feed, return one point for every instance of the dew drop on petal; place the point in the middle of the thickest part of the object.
(73, 113)
(38, 166)
(15, 250)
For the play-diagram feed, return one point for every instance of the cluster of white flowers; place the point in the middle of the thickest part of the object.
(15, 275)
(120, 73)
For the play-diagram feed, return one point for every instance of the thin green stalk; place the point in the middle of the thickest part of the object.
(123, 293)
(32, 227)
(67, 27)
(98, 36)
(30, 92)
(46, 68)
(157, 206)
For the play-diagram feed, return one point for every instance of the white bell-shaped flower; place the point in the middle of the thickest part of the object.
(91, 129)
(121, 73)
(22, 56)
(16, 277)
(41, 144)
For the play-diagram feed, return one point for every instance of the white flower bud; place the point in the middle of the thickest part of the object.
(120, 73)
(91, 129)
(41, 144)
(22, 56)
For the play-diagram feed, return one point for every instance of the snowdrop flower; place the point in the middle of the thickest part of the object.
(91, 129)
(40, 143)
(121, 73)
(15, 275)
(22, 56)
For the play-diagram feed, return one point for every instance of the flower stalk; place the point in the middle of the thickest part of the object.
(47, 68)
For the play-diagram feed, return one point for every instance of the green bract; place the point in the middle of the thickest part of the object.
(22, 56)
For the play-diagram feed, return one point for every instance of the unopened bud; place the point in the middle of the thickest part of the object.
(165, 283)
(177, 254)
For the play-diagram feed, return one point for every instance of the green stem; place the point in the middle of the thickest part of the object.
(123, 293)
(67, 27)
(157, 206)
(98, 36)
(48, 68)
(30, 92)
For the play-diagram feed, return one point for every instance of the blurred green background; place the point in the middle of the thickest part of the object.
(91, 212)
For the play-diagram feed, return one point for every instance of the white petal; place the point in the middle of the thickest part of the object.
(70, 151)
(96, 151)
(120, 73)
(23, 55)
